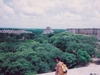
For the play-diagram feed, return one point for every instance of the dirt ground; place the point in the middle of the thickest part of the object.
(91, 69)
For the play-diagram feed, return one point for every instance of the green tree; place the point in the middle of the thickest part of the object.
(69, 59)
(83, 57)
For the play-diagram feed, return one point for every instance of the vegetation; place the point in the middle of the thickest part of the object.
(97, 50)
(36, 53)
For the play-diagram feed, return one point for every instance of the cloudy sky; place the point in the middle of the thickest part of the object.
(54, 13)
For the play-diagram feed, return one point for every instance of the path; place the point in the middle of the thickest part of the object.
(92, 68)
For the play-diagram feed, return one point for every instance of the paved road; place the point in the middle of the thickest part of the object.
(94, 69)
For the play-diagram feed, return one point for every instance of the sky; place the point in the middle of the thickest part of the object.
(58, 14)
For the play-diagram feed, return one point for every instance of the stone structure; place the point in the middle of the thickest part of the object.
(14, 31)
(86, 31)
(48, 30)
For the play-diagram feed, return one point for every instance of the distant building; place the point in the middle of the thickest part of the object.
(86, 31)
(14, 31)
(48, 30)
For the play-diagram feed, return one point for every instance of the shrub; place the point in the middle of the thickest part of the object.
(69, 59)
(83, 57)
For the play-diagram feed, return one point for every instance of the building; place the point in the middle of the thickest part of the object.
(85, 31)
(14, 31)
(48, 30)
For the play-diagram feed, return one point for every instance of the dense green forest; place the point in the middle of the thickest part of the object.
(36, 52)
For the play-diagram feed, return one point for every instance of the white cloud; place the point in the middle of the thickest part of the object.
(5, 10)
(53, 13)
(97, 14)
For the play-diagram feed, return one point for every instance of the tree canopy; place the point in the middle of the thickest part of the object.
(37, 53)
